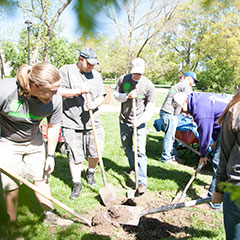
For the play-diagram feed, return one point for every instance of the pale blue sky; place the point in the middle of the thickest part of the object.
(11, 25)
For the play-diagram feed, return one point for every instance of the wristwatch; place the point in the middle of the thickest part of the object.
(51, 155)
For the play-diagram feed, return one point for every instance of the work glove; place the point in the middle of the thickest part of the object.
(49, 164)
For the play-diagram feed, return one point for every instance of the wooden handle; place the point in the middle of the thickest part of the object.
(96, 143)
(49, 197)
(190, 182)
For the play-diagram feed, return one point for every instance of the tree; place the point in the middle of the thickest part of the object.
(46, 13)
(143, 20)
(205, 41)
(61, 52)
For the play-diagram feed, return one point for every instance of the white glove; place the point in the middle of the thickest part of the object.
(49, 164)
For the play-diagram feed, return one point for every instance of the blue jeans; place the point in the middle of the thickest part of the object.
(127, 143)
(170, 122)
(215, 160)
(231, 215)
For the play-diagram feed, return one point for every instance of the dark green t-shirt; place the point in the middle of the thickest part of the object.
(20, 116)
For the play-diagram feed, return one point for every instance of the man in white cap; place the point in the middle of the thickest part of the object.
(82, 90)
(136, 86)
(170, 121)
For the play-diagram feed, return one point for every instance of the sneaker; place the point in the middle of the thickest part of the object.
(52, 218)
(141, 189)
(77, 187)
(90, 178)
(216, 206)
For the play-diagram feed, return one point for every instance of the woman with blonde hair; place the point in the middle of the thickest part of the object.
(24, 103)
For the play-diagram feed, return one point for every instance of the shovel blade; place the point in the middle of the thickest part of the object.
(107, 194)
(130, 215)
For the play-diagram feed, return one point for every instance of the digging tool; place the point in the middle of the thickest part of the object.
(180, 197)
(107, 193)
(49, 197)
(131, 193)
(135, 213)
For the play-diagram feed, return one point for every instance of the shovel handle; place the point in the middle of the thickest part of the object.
(49, 197)
(135, 142)
(190, 182)
(177, 206)
(96, 143)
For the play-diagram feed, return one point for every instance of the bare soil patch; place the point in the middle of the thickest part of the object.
(173, 223)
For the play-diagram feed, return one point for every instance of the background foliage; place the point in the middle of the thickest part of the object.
(198, 38)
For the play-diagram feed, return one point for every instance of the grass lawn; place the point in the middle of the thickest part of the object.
(164, 182)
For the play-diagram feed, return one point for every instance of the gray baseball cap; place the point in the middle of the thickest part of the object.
(90, 55)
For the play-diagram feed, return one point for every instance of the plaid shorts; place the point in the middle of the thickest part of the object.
(80, 144)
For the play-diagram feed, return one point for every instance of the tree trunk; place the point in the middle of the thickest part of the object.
(2, 67)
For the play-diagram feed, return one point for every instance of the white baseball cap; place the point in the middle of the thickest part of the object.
(178, 100)
(138, 66)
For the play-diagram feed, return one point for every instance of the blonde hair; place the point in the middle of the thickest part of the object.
(42, 73)
(235, 100)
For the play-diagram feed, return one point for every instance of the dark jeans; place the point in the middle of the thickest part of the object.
(4, 218)
(231, 213)
(215, 161)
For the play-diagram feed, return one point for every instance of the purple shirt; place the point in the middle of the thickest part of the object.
(206, 108)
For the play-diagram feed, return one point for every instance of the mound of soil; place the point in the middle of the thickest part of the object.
(107, 221)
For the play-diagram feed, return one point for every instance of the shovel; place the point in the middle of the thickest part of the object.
(133, 214)
(180, 197)
(107, 193)
(131, 193)
(49, 197)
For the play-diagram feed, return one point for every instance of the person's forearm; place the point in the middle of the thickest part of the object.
(98, 101)
(121, 97)
(53, 135)
(148, 113)
(68, 93)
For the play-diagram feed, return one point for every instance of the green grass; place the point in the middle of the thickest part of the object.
(163, 178)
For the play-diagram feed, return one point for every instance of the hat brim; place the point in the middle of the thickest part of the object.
(92, 61)
(138, 70)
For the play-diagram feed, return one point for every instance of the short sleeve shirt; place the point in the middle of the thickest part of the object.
(75, 112)
(179, 87)
(20, 116)
(146, 94)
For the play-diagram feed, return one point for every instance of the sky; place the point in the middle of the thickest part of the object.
(14, 22)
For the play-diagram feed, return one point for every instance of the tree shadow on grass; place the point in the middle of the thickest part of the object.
(178, 176)
(152, 228)
(62, 172)
(153, 148)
